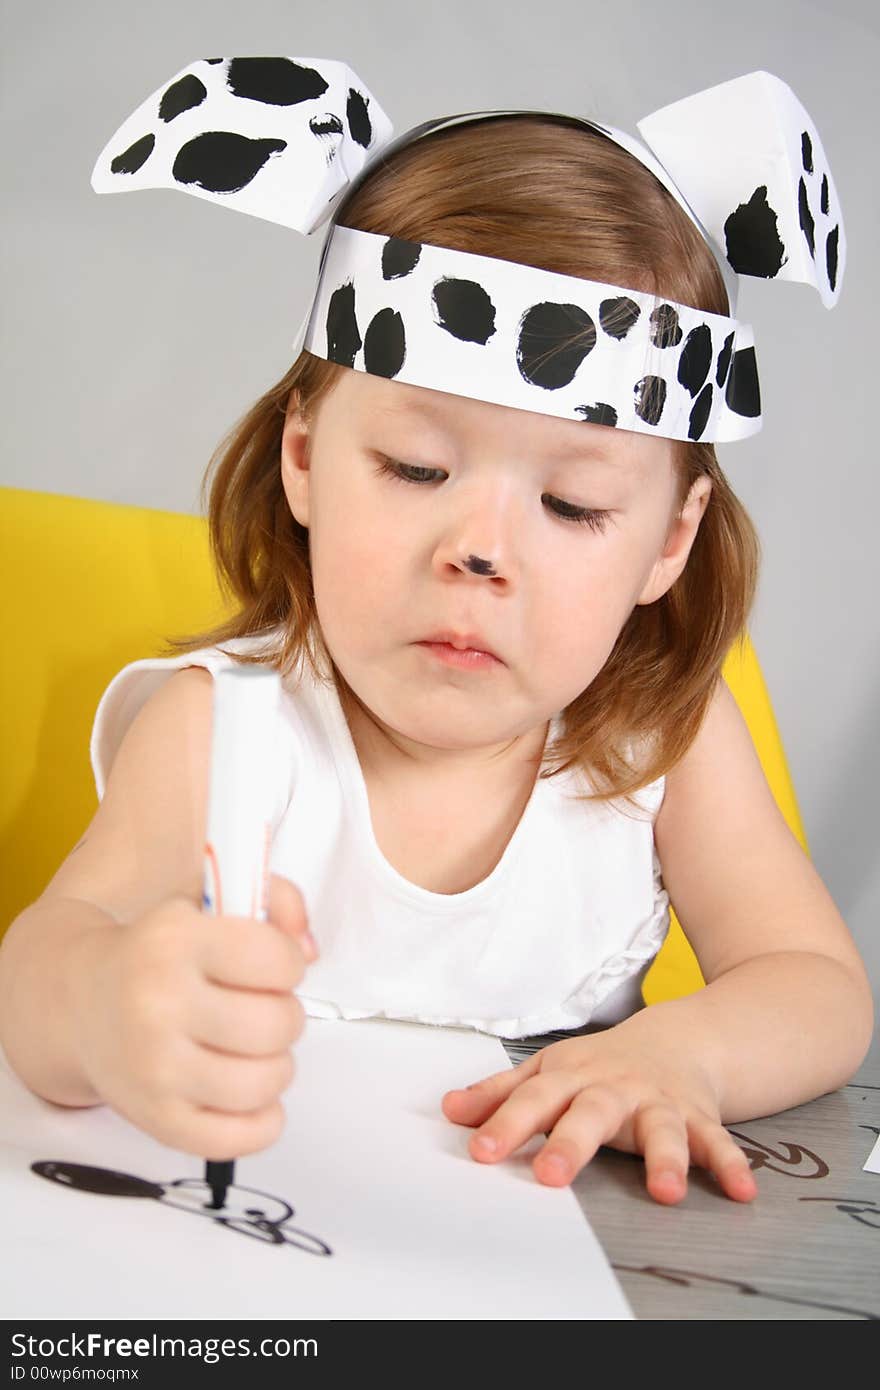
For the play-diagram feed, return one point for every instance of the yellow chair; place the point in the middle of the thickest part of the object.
(89, 586)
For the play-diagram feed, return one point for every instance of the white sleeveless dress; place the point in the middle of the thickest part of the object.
(560, 934)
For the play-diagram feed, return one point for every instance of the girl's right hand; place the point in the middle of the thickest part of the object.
(186, 1020)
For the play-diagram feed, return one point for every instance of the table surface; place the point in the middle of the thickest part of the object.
(807, 1247)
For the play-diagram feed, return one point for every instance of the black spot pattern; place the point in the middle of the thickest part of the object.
(359, 122)
(807, 152)
(724, 360)
(552, 342)
(343, 335)
(222, 161)
(464, 309)
(598, 414)
(665, 328)
(700, 413)
(617, 316)
(135, 157)
(752, 237)
(478, 566)
(743, 394)
(650, 398)
(823, 194)
(275, 81)
(831, 254)
(326, 125)
(182, 96)
(808, 226)
(328, 128)
(399, 258)
(695, 359)
(385, 344)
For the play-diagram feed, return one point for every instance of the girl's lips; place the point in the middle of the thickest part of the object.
(466, 658)
(462, 641)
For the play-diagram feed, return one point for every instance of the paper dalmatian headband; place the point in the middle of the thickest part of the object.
(286, 139)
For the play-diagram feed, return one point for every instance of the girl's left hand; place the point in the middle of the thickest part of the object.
(605, 1088)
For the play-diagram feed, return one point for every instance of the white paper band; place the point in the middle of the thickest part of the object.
(518, 336)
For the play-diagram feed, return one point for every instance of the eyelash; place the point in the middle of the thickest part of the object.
(581, 516)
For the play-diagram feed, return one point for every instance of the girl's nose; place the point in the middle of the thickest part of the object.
(487, 563)
(481, 535)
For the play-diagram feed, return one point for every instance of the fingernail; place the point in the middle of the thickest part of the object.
(486, 1144)
(310, 944)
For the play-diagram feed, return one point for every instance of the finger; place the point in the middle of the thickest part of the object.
(713, 1148)
(246, 1023)
(661, 1135)
(533, 1108)
(242, 953)
(287, 910)
(594, 1117)
(472, 1105)
(218, 1136)
(235, 1085)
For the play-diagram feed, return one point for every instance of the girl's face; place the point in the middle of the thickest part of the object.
(429, 512)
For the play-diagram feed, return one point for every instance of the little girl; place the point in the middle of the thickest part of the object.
(480, 528)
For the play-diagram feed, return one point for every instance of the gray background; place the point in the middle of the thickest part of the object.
(137, 329)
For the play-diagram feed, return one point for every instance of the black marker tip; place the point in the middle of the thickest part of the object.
(219, 1177)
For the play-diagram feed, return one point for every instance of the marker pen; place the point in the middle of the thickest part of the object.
(244, 753)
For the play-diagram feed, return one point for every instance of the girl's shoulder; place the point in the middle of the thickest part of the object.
(741, 882)
(136, 682)
(716, 796)
(720, 769)
(129, 691)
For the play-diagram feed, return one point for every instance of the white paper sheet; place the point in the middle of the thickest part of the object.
(872, 1164)
(373, 1169)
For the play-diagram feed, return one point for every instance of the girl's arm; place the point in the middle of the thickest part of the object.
(116, 987)
(143, 846)
(786, 1014)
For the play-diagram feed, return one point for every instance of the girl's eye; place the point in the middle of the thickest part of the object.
(402, 471)
(584, 516)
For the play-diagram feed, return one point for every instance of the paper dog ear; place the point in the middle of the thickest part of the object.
(748, 159)
(279, 138)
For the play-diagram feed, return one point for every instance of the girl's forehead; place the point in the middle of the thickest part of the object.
(366, 399)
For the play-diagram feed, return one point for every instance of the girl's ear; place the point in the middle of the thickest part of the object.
(679, 540)
(295, 460)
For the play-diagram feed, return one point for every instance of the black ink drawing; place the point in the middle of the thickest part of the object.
(247, 1211)
(760, 1155)
(862, 1209)
(688, 1277)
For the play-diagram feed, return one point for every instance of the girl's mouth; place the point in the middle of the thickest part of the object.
(467, 658)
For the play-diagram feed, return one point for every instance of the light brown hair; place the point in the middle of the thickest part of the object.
(543, 192)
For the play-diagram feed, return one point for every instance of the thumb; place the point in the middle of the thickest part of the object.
(287, 911)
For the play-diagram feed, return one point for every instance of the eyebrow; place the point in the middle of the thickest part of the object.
(583, 453)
